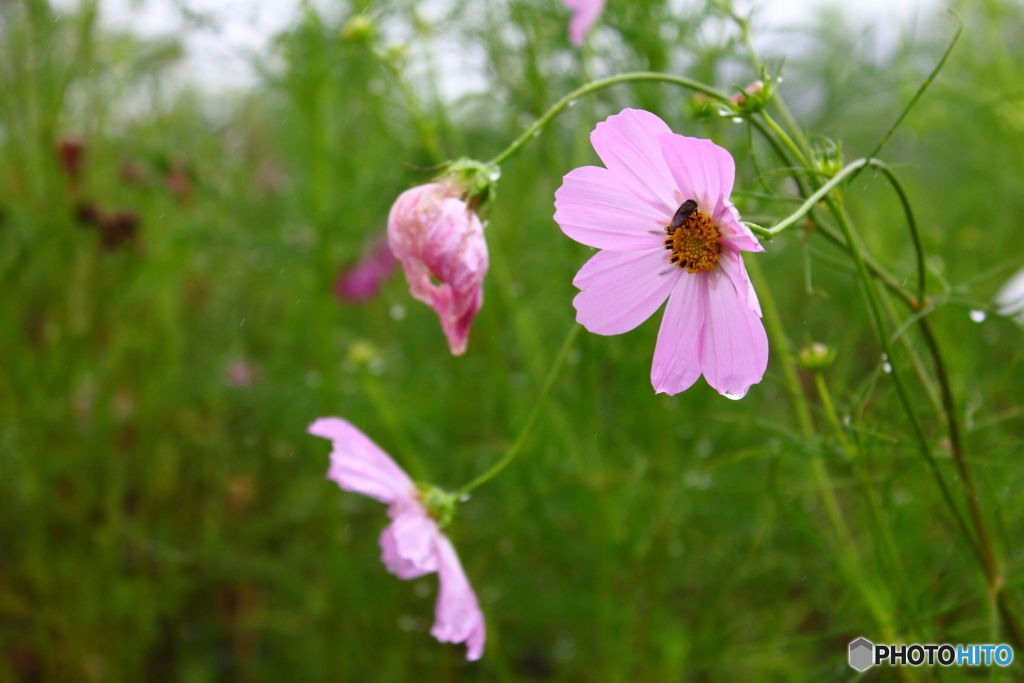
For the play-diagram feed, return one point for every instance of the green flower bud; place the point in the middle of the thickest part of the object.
(828, 157)
(359, 29)
(479, 179)
(816, 357)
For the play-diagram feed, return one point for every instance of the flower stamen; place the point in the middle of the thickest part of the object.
(694, 244)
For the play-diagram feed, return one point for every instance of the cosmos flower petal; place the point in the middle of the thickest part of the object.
(457, 615)
(734, 346)
(358, 464)
(584, 15)
(592, 207)
(413, 544)
(407, 544)
(702, 170)
(734, 234)
(677, 353)
(628, 145)
(734, 268)
(622, 289)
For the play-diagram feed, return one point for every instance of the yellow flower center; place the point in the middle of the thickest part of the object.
(694, 244)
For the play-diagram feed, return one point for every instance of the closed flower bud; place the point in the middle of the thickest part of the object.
(359, 28)
(440, 241)
(753, 98)
(816, 357)
(828, 157)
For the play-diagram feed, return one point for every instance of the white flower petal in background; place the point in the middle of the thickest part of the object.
(1010, 299)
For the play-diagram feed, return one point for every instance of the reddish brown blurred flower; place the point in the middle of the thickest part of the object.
(69, 154)
(119, 229)
(88, 213)
(180, 184)
(132, 173)
(362, 282)
(270, 175)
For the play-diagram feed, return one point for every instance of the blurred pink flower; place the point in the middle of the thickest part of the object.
(413, 544)
(584, 15)
(440, 241)
(661, 213)
(239, 373)
(363, 281)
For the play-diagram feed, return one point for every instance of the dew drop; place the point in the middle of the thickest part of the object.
(572, 103)
(732, 396)
(464, 497)
(886, 367)
(536, 132)
(397, 312)
(978, 316)
(737, 119)
(495, 174)
(779, 79)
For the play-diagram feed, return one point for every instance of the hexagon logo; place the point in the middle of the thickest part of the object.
(861, 654)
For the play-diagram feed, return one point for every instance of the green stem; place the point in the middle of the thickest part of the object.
(845, 544)
(901, 390)
(908, 211)
(870, 495)
(920, 91)
(781, 347)
(956, 443)
(758, 65)
(811, 202)
(412, 460)
(531, 422)
(787, 141)
(595, 86)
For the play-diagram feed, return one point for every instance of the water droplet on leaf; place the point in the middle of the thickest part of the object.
(978, 316)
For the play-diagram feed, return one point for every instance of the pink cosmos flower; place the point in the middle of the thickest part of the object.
(584, 15)
(413, 544)
(440, 241)
(660, 212)
(362, 282)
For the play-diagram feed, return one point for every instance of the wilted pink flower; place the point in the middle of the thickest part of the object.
(413, 544)
(661, 213)
(584, 14)
(440, 242)
(363, 281)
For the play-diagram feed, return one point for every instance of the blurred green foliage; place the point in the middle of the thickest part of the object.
(164, 516)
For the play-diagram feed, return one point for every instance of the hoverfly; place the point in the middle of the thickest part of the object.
(684, 211)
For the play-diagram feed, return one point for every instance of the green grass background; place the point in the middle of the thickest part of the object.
(160, 523)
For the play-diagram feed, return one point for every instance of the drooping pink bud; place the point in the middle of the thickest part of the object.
(362, 282)
(440, 241)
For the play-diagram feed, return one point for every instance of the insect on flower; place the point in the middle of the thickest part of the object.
(660, 212)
